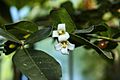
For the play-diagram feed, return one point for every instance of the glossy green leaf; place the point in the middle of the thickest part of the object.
(62, 16)
(39, 35)
(8, 36)
(100, 28)
(68, 6)
(26, 26)
(92, 29)
(83, 41)
(27, 65)
(37, 65)
(85, 31)
(48, 65)
(19, 33)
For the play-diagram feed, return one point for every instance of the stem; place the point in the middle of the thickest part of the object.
(102, 37)
(17, 73)
(71, 66)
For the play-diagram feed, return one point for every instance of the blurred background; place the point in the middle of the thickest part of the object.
(82, 64)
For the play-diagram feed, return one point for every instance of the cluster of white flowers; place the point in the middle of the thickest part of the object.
(63, 44)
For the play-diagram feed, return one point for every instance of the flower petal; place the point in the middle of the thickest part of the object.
(64, 50)
(61, 27)
(63, 37)
(55, 34)
(58, 46)
(67, 35)
(71, 46)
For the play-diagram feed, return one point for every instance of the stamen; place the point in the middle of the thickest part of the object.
(12, 46)
(61, 32)
(26, 36)
(64, 44)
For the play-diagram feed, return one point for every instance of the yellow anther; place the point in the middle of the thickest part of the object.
(12, 46)
(26, 36)
(64, 44)
(61, 32)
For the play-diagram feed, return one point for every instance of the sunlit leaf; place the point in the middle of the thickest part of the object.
(62, 16)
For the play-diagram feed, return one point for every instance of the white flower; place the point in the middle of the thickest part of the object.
(64, 47)
(61, 33)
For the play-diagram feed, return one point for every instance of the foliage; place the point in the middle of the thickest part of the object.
(86, 27)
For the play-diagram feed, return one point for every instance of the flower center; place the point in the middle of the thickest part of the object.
(12, 46)
(61, 32)
(64, 44)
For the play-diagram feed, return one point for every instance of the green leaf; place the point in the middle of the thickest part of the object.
(83, 41)
(26, 26)
(37, 65)
(92, 29)
(100, 28)
(117, 35)
(85, 31)
(68, 6)
(27, 65)
(62, 16)
(8, 36)
(39, 35)
(48, 65)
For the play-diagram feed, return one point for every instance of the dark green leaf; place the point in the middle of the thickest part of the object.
(37, 65)
(68, 6)
(92, 29)
(39, 35)
(112, 31)
(100, 28)
(26, 26)
(62, 16)
(83, 41)
(117, 35)
(48, 65)
(19, 33)
(24, 62)
(85, 31)
(8, 36)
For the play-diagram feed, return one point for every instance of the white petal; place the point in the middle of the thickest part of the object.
(58, 46)
(64, 51)
(55, 34)
(63, 37)
(71, 46)
(61, 27)
(67, 35)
